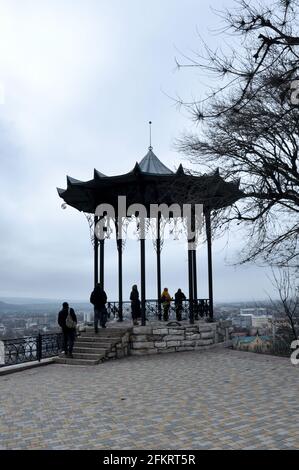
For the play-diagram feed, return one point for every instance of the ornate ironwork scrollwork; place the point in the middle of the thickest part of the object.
(31, 348)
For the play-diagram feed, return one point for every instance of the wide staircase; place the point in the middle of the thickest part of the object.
(91, 348)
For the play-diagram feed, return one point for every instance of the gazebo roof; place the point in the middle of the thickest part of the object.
(150, 182)
(151, 164)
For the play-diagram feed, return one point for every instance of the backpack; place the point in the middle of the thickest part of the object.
(69, 322)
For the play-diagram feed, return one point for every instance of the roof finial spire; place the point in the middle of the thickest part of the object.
(150, 135)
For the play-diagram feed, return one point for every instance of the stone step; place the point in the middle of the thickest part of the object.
(105, 343)
(77, 362)
(91, 348)
(112, 331)
(95, 357)
(96, 343)
(100, 335)
(103, 331)
(79, 349)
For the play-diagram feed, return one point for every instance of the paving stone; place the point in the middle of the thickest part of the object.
(243, 401)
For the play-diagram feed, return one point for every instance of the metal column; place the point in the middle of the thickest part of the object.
(96, 253)
(194, 266)
(120, 279)
(191, 286)
(142, 275)
(102, 262)
(210, 264)
(158, 247)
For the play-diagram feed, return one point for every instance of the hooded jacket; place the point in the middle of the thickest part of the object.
(165, 297)
(98, 298)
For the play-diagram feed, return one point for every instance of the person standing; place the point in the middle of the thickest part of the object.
(98, 298)
(165, 299)
(179, 296)
(135, 304)
(67, 321)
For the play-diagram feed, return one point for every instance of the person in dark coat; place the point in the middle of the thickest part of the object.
(67, 321)
(98, 298)
(135, 304)
(178, 300)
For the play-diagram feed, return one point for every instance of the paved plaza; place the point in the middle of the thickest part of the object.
(216, 399)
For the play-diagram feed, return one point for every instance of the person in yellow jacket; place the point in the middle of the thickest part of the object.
(165, 299)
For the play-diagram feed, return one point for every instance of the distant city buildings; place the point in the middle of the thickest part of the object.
(88, 317)
(16, 325)
(256, 311)
(252, 318)
(261, 321)
(242, 321)
(2, 329)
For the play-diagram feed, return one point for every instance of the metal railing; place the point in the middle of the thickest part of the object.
(154, 310)
(30, 348)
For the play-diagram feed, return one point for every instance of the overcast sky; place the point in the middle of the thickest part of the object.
(79, 81)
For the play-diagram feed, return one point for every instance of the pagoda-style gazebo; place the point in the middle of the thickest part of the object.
(151, 182)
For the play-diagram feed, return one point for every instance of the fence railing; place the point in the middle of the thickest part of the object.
(30, 348)
(154, 309)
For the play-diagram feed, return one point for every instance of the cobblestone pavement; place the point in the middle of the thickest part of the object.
(216, 399)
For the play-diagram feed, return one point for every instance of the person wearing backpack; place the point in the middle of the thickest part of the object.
(98, 298)
(67, 321)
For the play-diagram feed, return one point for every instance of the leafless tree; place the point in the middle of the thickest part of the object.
(265, 32)
(286, 285)
(250, 130)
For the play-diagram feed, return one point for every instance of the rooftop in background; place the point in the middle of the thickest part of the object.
(249, 339)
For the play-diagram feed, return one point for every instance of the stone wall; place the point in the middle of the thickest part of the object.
(223, 331)
(121, 348)
(166, 338)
